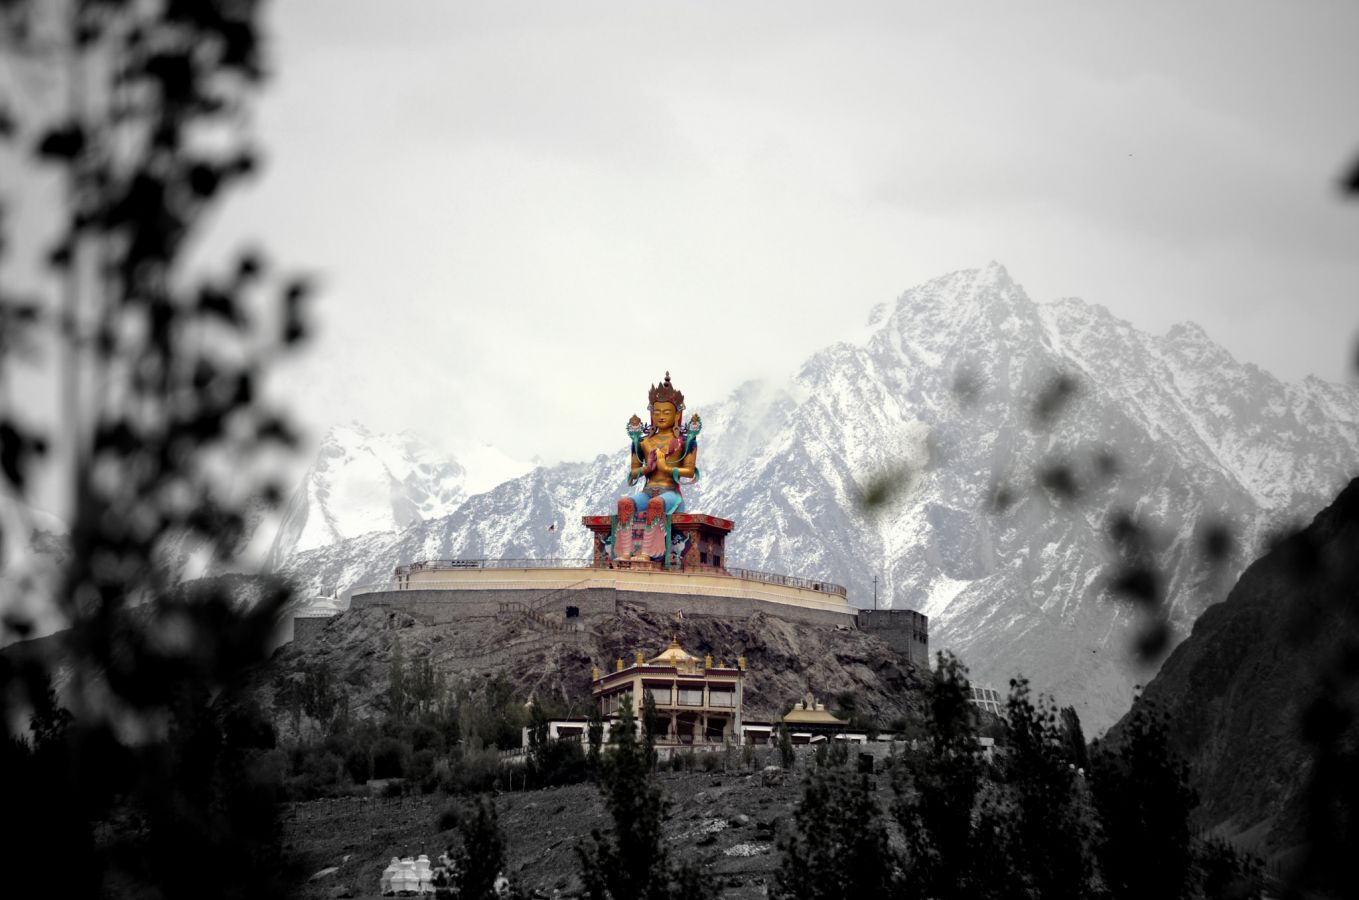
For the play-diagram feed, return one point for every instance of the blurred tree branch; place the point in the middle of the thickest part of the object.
(161, 437)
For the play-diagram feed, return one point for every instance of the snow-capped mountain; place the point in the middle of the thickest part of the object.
(943, 392)
(363, 482)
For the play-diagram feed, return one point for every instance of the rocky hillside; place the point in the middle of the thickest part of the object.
(784, 660)
(1238, 688)
(947, 392)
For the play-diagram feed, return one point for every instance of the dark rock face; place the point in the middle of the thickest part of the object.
(1238, 688)
(784, 659)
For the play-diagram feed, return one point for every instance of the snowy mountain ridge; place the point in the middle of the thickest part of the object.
(944, 388)
(361, 482)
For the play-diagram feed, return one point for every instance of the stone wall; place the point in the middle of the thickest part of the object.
(437, 606)
(904, 630)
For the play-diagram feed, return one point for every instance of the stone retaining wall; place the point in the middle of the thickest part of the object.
(451, 605)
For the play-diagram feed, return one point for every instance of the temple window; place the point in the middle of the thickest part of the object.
(691, 696)
(609, 703)
(724, 697)
(659, 694)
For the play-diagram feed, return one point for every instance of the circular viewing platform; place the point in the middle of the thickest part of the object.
(729, 590)
(421, 570)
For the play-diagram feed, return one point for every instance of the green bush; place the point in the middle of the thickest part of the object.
(269, 769)
(358, 764)
(319, 773)
(422, 765)
(477, 771)
(390, 759)
(425, 737)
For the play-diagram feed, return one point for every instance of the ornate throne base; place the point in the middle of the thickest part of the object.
(700, 543)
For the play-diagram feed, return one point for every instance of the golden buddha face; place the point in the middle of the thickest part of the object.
(664, 416)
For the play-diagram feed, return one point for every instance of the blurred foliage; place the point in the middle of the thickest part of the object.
(161, 440)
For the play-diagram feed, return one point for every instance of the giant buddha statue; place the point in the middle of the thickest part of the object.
(664, 456)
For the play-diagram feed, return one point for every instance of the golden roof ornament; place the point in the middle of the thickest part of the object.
(675, 656)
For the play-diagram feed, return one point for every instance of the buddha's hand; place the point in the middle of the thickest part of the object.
(650, 463)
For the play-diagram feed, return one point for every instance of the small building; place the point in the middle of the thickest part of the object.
(904, 630)
(809, 722)
(572, 729)
(310, 618)
(697, 701)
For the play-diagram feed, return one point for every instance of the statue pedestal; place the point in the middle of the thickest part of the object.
(703, 539)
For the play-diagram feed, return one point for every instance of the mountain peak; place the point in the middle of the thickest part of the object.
(997, 274)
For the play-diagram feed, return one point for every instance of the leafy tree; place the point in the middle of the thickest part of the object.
(631, 860)
(594, 732)
(838, 846)
(651, 726)
(1141, 792)
(424, 685)
(481, 855)
(390, 758)
(787, 756)
(1050, 822)
(1225, 873)
(158, 440)
(397, 694)
(936, 792)
(1075, 738)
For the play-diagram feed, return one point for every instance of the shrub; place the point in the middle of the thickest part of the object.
(838, 846)
(269, 769)
(390, 759)
(358, 764)
(425, 737)
(787, 756)
(422, 765)
(477, 771)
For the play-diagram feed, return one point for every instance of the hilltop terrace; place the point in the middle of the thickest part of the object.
(643, 577)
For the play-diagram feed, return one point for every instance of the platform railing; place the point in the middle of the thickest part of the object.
(444, 565)
(438, 565)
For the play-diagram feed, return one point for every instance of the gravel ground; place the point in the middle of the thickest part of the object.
(727, 823)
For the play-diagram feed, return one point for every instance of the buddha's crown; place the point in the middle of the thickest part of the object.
(665, 393)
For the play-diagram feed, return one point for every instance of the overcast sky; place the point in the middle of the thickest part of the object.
(523, 214)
